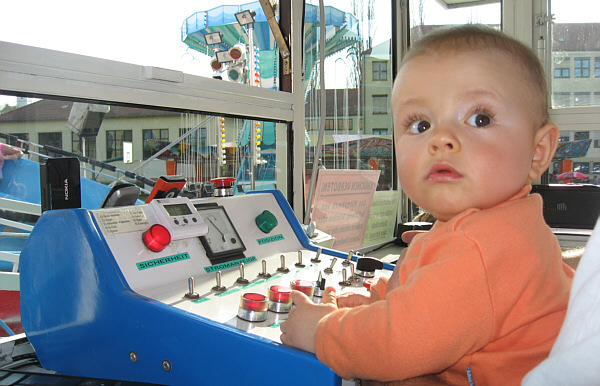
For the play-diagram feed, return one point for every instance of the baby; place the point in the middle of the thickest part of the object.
(481, 297)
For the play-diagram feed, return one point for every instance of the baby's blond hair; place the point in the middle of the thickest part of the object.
(474, 37)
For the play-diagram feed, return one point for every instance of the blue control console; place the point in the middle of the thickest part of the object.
(177, 291)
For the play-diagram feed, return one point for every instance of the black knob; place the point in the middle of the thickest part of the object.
(368, 264)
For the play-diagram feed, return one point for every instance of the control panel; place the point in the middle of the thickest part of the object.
(193, 284)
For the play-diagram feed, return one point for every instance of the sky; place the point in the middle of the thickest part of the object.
(148, 32)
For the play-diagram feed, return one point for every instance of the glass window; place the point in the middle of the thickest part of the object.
(582, 67)
(562, 72)
(574, 38)
(114, 142)
(338, 124)
(15, 142)
(380, 131)
(581, 135)
(358, 83)
(52, 139)
(582, 167)
(154, 140)
(357, 86)
(85, 146)
(205, 151)
(582, 98)
(380, 104)
(380, 71)
(561, 99)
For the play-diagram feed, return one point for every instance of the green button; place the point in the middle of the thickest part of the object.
(266, 221)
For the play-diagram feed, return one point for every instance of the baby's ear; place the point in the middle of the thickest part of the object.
(545, 143)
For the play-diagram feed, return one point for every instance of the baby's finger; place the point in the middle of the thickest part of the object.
(329, 296)
(299, 298)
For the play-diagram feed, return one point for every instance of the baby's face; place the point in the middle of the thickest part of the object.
(464, 130)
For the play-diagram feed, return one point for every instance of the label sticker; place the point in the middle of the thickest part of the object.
(270, 239)
(229, 264)
(162, 261)
(122, 220)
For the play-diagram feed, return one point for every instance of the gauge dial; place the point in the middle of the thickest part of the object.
(222, 239)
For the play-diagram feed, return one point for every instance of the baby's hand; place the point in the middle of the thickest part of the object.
(351, 299)
(301, 327)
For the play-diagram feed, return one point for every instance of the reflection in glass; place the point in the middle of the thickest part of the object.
(575, 65)
(198, 147)
(575, 53)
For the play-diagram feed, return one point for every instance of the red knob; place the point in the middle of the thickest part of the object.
(223, 182)
(156, 238)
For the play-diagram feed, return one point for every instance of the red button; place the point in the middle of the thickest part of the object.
(279, 294)
(303, 286)
(253, 302)
(368, 283)
(156, 238)
(223, 182)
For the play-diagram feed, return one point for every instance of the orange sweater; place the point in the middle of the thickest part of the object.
(481, 299)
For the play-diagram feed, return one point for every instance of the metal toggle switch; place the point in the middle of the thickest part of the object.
(353, 277)
(348, 260)
(283, 268)
(317, 258)
(218, 287)
(329, 269)
(299, 263)
(242, 279)
(345, 282)
(264, 274)
(191, 294)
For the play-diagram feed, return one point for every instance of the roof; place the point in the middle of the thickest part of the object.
(57, 110)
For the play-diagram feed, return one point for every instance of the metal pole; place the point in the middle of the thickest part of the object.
(252, 131)
(323, 112)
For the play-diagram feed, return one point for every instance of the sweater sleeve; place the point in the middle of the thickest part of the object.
(440, 314)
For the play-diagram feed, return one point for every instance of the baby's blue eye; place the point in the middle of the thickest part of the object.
(479, 120)
(419, 126)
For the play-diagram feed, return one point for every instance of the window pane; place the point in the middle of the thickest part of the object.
(575, 46)
(154, 140)
(212, 148)
(358, 83)
(575, 53)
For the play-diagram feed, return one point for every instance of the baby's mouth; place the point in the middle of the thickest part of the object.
(443, 172)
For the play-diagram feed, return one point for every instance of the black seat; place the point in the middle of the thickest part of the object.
(121, 195)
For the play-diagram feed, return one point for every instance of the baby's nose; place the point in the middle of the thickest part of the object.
(444, 140)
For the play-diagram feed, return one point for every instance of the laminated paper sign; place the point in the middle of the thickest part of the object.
(342, 205)
(382, 218)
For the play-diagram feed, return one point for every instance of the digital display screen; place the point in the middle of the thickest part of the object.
(178, 209)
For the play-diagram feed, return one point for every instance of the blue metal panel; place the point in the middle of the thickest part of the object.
(83, 320)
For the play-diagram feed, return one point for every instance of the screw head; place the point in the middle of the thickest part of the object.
(133, 356)
(166, 365)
